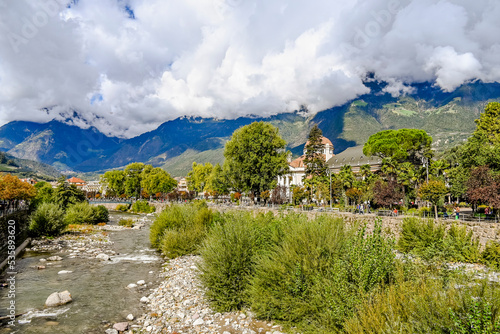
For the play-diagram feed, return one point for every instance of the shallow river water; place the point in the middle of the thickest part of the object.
(98, 288)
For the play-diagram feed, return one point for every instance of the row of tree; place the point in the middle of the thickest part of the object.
(138, 180)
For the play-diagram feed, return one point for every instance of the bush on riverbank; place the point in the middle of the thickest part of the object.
(431, 241)
(179, 229)
(84, 213)
(122, 207)
(309, 274)
(142, 206)
(429, 305)
(229, 253)
(47, 220)
(491, 255)
(126, 222)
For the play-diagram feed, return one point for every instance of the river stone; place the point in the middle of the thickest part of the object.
(111, 331)
(40, 267)
(121, 326)
(144, 300)
(141, 282)
(130, 317)
(131, 286)
(62, 272)
(54, 258)
(102, 257)
(198, 322)
(58, 298)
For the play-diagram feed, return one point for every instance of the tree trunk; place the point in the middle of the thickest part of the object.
(436, 210)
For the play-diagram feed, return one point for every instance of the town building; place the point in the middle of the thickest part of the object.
(92, 187)
(181, 184)
(297, 169)
(29, 181)
(79, 183)
(352, 156)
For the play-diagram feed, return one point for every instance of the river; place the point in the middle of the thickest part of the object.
(98, 288)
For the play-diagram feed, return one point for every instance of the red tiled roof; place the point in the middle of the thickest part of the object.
(75, 180)
(299, 162)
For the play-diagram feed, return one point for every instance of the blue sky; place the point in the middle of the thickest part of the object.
(127, 66)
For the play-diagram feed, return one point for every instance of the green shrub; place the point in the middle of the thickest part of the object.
(460, 246)
(122, 207)
(80, 213)
(430, 241)
(421, 237)
(319, 274)
(491, 255)
(101, 214)
(126, 222)
(428, 306)
(229, 252)
(180, 229)
(142, 206)
(47, 220)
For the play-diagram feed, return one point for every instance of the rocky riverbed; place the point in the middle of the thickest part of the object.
(178, 306)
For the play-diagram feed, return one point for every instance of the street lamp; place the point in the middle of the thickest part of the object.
(330, 174)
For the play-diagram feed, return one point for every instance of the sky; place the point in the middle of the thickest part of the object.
(126, 66)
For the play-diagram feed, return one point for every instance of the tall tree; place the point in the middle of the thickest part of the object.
(314, 161)
(402, 145)
(216, 182)
(133, 178)
(489, 123)
(157, 180)
(433, 191)
(483, 187)
(66, 194)
(198, 176)
(254, 157)
(114, 182)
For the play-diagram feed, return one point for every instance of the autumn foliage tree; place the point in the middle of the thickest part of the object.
(483, 187)
(14, 190)
(386, 193)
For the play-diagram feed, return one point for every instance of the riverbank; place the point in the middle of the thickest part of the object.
(107, 269)
(178, 306)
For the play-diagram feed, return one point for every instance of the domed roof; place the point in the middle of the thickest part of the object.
(324, 141)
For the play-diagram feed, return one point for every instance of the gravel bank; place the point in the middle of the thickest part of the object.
(178, 306)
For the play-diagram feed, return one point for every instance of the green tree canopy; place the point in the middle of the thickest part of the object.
(401, 145)
(114, 182)
(254, 157)
(488, 124)
(133, 178)
(198, 176)
(157, 180)
(216, 181)
(433, 191)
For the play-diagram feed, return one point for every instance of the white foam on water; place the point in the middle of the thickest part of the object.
(134, 257)
(26, 318)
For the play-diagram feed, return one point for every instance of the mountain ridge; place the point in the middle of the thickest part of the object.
(448, 117)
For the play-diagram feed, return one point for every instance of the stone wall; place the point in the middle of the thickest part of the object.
(483, 231)
(21, 222)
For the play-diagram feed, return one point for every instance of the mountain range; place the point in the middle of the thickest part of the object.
(174, 145)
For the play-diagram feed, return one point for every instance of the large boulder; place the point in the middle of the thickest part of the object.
(58, 298)
(102, 257)
(121, 326)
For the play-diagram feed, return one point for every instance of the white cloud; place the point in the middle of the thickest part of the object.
(229, 58)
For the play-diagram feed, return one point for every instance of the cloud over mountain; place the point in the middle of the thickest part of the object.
(128, 65)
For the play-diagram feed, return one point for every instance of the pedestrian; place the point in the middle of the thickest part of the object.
(457, 213)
